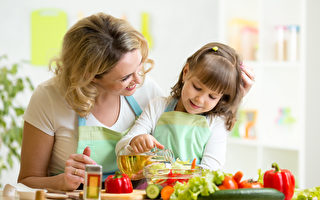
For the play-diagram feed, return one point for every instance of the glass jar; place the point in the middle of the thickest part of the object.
(132, 164)
(92, 182)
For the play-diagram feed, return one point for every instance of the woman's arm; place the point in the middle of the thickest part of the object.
(35, 156)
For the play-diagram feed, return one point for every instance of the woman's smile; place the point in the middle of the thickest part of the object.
(130, 88)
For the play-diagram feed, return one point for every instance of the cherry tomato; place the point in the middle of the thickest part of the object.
(228, 183)
(238, 176)
(250, 183)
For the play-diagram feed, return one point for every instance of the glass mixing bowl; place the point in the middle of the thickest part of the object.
(164, 174)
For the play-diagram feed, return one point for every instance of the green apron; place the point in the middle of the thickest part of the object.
(184, 133)
(102, 141)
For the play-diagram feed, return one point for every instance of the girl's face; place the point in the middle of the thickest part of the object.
(196, 98)
(124, 77)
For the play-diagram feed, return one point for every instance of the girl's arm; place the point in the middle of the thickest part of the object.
(145, 124)
(214, 155)
(248, 79)
(35, 156)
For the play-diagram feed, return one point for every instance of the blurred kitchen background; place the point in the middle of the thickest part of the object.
(279, 39)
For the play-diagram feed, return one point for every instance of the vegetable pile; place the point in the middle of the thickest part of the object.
(279, 185)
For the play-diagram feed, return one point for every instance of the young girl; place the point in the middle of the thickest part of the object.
(195, 120)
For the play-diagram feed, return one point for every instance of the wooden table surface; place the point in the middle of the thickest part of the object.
(74, 195)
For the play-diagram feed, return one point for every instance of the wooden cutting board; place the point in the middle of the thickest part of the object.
(135, 195)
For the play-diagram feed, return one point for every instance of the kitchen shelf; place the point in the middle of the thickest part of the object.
(290, 146)
(279, 84)
(273, 64)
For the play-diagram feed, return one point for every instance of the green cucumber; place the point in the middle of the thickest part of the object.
(246, 194)
(153, 191)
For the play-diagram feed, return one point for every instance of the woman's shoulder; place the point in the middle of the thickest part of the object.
(47, 86)
(47, 93)
(47, 90)
(47, 109)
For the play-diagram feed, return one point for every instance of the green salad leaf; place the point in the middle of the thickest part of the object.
(154, 167)
(307, 194)
(179, 164)
(198, 186)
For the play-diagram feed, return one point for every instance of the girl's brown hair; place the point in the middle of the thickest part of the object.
(92, 47)
(218, 67)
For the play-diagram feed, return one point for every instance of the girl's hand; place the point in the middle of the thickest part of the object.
(75, 169)
(144, 142)
(248, 79)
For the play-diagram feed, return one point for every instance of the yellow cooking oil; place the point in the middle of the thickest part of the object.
(134, 164)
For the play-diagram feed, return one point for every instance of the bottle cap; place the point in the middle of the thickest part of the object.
(94, 168)
(40, 195)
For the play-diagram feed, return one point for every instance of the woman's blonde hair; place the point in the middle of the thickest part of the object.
(218, 67)
(91, 48)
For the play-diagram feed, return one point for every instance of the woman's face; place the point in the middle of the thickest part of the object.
(124, 77)
(196, 98)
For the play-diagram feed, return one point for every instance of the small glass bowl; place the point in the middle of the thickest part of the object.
(168, 175)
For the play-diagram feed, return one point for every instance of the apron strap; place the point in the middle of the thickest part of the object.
(81, 121)
(134, 105)
(171, 106)
(131, 101)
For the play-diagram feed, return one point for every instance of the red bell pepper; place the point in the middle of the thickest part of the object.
(280, 179)
(118, 183)
(172, 180)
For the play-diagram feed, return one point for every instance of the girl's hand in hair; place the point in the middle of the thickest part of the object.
(143, 143)
(248, 79)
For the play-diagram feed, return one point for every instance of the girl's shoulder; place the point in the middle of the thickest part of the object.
(151, 86)
(216, 121)
(147, 91)
(160, 101)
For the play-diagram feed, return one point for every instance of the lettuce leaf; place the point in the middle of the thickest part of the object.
(307, 194)
(198, 186)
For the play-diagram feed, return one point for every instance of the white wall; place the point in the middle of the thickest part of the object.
(312, 140)
(178, 27)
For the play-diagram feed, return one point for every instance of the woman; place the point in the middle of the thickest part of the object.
(92, 101)
(102, 61)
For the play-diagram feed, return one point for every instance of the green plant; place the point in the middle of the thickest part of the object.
(11, 86)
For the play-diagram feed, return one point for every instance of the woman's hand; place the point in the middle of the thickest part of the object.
(144, 142)
(74, 172)
(248, 79)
